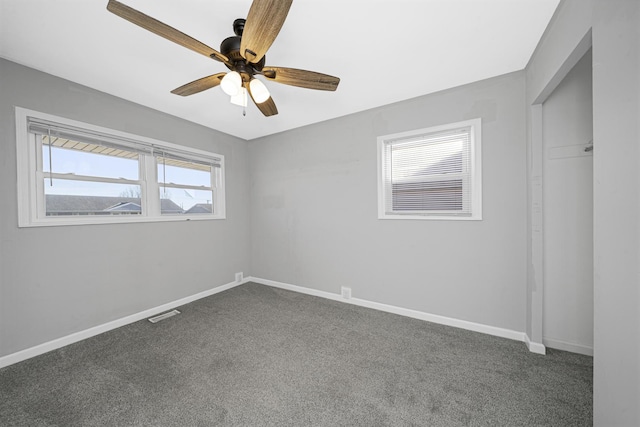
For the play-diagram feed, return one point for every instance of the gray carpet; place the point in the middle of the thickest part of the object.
(259, 356)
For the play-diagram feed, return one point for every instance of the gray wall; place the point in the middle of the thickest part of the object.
(616, 128)
(615, 26)
(58, 280)
(314, 217)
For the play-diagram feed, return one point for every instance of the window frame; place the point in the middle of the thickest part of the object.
(161, 185)
(475, 164)
(30, 177)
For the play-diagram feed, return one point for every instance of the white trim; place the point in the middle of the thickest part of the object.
(31, 196)
(72, 176)
(536, 269)
(118, 219)
(567, 346)
(578, 52)
(534, 347)
(535, 286)
(434, 318)
(475, 151)
(96, 330)
(25, 162)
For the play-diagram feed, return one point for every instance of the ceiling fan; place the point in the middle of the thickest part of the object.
(243, 54)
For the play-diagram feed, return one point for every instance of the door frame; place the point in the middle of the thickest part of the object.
(535, 282)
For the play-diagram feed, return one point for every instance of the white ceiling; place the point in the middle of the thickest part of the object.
(384, 51)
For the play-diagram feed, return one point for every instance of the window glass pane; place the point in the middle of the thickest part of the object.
(68, 197)
(89, 160)
(181, 201)
(183, 172)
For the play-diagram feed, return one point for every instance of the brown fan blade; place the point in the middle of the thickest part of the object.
(163, 30)
(199, 85)
(301, 78)
(267, 107)
(263, 24)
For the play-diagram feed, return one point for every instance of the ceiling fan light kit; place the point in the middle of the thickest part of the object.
(259, 91)
(240, 98)
(243, 54)
(231, 83)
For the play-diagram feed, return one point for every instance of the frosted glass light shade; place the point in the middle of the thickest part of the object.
(231, 83)
(240, 98)
(259, 91)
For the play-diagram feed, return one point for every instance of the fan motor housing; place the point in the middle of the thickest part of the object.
(230, 47)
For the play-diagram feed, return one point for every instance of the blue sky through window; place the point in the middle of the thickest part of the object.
(70, 161)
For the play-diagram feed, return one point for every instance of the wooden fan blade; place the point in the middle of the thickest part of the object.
(301, 78)
(163, 30)
(199, 85)
(268, 107)
(263, 24)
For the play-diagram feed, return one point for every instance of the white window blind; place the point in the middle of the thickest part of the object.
(84, 139)
(94, 141)
(430, 172)
(177, 158)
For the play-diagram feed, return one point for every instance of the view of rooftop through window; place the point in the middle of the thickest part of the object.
(431, 173)
(88, 179)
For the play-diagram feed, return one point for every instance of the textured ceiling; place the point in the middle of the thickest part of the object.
(383, 51)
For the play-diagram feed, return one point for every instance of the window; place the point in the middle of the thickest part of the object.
(180, 178)
(432, 173)
(74, 173)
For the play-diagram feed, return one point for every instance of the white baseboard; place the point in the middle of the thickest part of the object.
(534, 347)
(567, 346)
(88, 333)
(434, 318)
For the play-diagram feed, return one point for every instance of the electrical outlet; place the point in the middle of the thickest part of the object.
(346, 292)
(239, 277)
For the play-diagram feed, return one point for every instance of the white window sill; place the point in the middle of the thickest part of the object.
(62, 221)
(431, 217)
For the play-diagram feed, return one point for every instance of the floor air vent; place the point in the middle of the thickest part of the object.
(159, 317)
